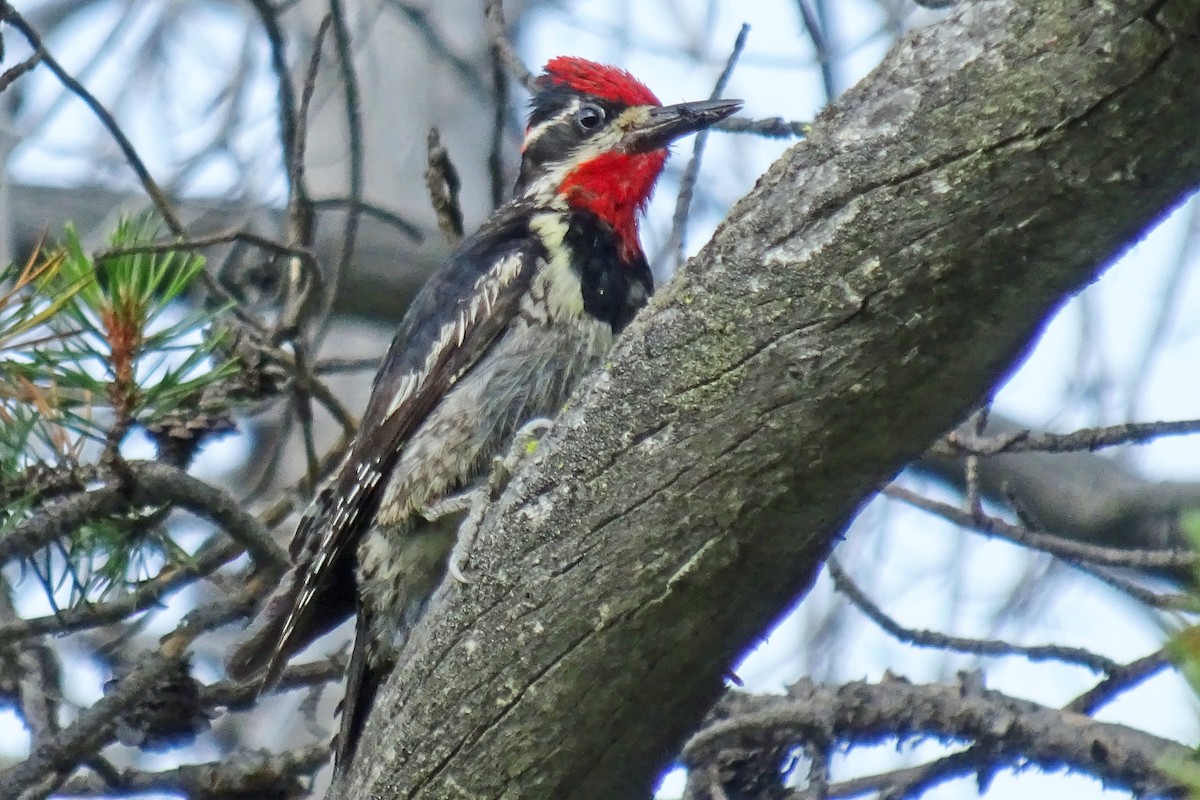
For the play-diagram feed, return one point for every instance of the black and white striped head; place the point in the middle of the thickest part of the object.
(597, 138)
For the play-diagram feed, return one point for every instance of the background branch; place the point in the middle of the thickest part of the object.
(1009, 730)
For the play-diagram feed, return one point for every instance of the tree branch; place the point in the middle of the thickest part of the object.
(872, 288)
(262, 775)
(959, 644)
(153, 484)
(1076, 495)
(1008, 729)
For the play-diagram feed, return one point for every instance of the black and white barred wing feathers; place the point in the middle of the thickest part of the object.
(432, 350)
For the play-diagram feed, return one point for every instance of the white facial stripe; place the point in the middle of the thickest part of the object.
(540, 128)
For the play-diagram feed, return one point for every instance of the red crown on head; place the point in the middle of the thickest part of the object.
(601, 80)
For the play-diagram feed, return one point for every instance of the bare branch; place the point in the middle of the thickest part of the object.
(1077, 495)
(1118, 681)
(499, 123)
(237, 775)
(152, 484)
(687, 184)
(210, 240)
(1068, 549)
(137, 692)
(35, 674)
(772, 127)
(498, 34)
(407, 227)
(289, 121)
(19, 69)
(55, 758)
(982, 647)
(231, 694)
(143, 596)
(333, 366)
(442, 180)
(1160, 600)
(354, 133)
(816, 35)
(1010, 730)
(956, 443)
(11, 16)
(418, 17)
(300, 204)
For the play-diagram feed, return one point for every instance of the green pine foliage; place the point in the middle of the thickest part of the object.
(90, 350)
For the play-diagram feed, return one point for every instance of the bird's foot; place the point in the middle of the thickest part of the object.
(448, 506)
(524, 444)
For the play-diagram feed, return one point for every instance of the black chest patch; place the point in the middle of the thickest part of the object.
(614, 289)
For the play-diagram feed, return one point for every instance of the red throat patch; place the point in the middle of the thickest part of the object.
(616, 187)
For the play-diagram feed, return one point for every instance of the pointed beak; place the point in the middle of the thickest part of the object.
(668, 123)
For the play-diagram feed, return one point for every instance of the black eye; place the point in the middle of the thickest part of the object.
(589, 117)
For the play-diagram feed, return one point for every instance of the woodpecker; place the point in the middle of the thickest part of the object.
(499, 335)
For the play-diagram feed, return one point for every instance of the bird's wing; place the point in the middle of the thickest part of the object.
(451, 323)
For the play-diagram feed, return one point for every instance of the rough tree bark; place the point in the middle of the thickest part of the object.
(878, 281)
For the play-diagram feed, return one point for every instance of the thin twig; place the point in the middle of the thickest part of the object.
(289, 119)
(974, 496)
(498, 34)
(310, 384)
(147, 594)
(983, 647)
(333, 366)
(409, 229)
(687, 184)
(35, 675)
(418, 18)
(17, 70)
(157, 196)
(770, 127)
(1164, 601)
(1068, 549)
(232, 694)
(1119, 680)
(300, 205)
(958, 443)
(209, 240)
(254, 774)
(304, 415)
(442, 180)
(816, 34)
(499, 120)
(354, 132)
(58, 756)
(888, 784)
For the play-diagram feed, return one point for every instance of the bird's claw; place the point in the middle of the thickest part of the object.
(455, 567)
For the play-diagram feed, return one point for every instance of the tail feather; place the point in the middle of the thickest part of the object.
(363, 679)
(295, 615)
